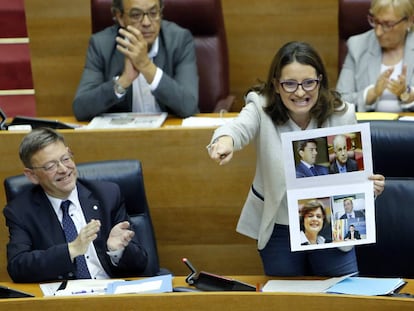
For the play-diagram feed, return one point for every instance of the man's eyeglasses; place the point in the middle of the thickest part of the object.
(138, 15)
(290, 86)
(52, 166)
(386, 26)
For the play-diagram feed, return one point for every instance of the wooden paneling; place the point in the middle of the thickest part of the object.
(16, 83)
(59, 31)
(257, 29)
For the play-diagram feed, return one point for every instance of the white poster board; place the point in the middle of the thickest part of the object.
(332, 190)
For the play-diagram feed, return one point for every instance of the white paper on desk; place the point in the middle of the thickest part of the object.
(86, 287)
(49, 289)
(406, 118)
(204, 121)
(127, 120)
(156, 284)
(302, 286)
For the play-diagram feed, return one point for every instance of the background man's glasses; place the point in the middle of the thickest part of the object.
(52, 166)
(138, 16)
(290, 86)
(386, 26)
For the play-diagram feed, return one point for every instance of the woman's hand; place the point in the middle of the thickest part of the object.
(383, 81)
(398, 86)
(221, 149)
(379, 183)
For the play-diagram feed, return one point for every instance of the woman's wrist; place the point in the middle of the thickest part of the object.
(372, 96)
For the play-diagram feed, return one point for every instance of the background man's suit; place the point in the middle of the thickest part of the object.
(37, 250)
(351, 166)
(177, 92)
(358, 214)
(357, 236)
(303, 171)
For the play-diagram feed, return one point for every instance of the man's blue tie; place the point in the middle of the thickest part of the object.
(313, 170)
(71, 233)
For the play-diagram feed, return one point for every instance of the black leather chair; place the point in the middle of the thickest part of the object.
(392, 254)
(392, 156)
(392, 147)
(128, 175)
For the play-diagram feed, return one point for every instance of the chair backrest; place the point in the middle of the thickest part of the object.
(391, 142)
(204, 18)
(352, 20)
(391, 156)
(128, 175)
(391, 255)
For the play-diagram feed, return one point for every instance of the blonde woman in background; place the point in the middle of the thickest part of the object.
(377, 74)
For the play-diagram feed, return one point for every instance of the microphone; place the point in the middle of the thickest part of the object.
(3, 120)
(189, 265)
(190, 278)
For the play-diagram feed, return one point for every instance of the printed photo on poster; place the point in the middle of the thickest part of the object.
(345, 153)
(315, 221)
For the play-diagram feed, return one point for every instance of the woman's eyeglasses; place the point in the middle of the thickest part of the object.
(290, 86)
(386, 26)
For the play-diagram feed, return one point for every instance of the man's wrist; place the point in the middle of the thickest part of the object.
(118, 88)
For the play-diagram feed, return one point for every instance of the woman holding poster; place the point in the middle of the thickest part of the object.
(295, 97)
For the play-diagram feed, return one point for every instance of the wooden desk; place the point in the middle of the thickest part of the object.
(208, 300)
(194, 203)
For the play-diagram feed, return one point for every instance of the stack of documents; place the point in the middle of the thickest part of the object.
(302, 286)
(340, 285)
(376, 115)
(127, 120)
(367, 286)
(158, 284)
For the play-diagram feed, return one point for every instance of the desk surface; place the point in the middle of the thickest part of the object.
(208, 300)
(171, 121)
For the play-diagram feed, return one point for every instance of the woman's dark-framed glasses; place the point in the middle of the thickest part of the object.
(290, 86)
(386, 26)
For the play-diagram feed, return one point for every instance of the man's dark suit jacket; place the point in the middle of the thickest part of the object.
(351, 166)
(303, 171)
(37, 250)
(177, 92)
(358, 214)
(357, 236)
